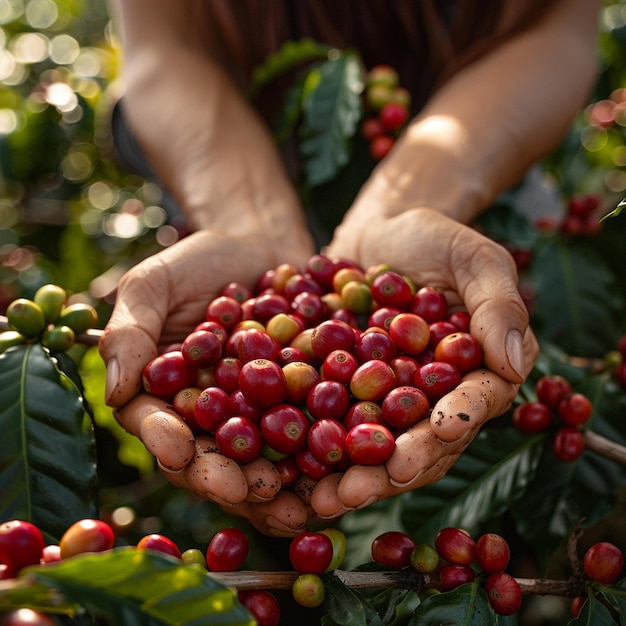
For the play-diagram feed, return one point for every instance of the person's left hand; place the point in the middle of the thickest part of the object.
(472, 271)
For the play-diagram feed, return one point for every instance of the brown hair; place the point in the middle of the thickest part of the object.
(424, 40)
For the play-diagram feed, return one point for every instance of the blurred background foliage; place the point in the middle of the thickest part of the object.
(72, 215)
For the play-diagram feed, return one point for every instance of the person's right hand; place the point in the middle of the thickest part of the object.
(158, 302)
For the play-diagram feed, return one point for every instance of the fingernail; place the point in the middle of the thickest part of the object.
(112, 378)
(514, 348)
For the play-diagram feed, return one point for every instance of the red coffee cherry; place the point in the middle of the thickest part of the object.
(603, 562)
(492, 553)
(456, 546)
(436, 379)
(504, 593)
(167, 374)
(86, 535)
(551, 389)
(311, 552)
(393, 115)
(532, 417)
(262, 604)
(568, 444)
(239, 439)
(460, 349)
(369, 444)
(227, 550)
(453, 576)
(159, 543)
(575, 409)
(21, 544)
(393, 548)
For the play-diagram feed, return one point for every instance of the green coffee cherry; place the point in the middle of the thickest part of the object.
(193, 556)
(51, 299)
(79, 317)
(10, 338)
(424, 558)
(26, 317)
(58, 338)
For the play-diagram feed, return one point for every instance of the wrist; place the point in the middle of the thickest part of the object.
(430, 166)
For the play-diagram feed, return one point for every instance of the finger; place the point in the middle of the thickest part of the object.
(435, 250)
(162, 298)
(362, 485)
(283, 516)
(163, 432)
(480, 396)
(263, 479)
(324, 499)
(424, 452)
(212, 476)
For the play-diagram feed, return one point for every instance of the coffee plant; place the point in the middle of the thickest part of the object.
(528, 525)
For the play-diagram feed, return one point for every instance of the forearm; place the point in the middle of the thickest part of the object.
(490, 122)
(210, 149)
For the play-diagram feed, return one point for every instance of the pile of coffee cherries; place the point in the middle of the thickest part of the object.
(316, 370)
(559, 408)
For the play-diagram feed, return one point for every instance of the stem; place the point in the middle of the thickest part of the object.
(401, 579)
(88, 338)
(606, 447)
(398, 579)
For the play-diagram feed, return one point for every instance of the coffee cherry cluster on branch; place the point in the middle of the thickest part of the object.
(387, 106)
(559, 408)
(455, 559)
(47, 318)
(315, 371)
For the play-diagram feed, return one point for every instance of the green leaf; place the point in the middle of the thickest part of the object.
(346, 606)
(578, 305)
(616, 211)
(467, 604)
(493, 472)
(140, 587)
(593, 613)
(331, 110)
(290, 55)
(47, 461)
(615, 595)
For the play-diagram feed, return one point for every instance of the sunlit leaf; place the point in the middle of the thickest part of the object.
(331, 109)
(616, 211)
(290, 55)
(135, 587)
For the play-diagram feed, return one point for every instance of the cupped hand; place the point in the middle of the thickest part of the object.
(477, 273)
(160, 300)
